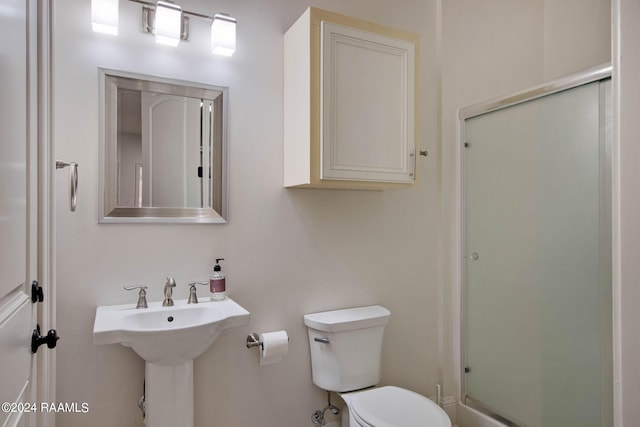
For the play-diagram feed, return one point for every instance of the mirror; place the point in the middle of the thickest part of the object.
(163, 150)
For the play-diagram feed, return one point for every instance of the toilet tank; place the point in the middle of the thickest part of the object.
(346, 346)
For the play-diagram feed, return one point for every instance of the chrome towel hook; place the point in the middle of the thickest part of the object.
(73, 182)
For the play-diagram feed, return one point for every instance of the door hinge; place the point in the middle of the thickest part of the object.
(50, 339)
(36, 292)
(201, 173)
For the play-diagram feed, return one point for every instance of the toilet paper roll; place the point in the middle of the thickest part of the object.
(275, 346)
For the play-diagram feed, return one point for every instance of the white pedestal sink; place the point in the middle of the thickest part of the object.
(168, 339)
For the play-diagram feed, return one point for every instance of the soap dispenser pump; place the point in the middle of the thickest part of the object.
(217, 285)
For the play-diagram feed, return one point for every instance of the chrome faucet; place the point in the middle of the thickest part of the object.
(168, 292)
(193, 296)
(142, 295)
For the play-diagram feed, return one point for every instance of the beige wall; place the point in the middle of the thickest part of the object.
(490, 49)
(577, 35)
(626, 235)
(288, 252)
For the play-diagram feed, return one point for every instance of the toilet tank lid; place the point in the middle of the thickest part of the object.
(347, 319)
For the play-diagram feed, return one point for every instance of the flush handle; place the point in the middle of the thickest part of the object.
(323, 340)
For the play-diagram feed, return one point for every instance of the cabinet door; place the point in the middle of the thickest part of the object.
(367, 105)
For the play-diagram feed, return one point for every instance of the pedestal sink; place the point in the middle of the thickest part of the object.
(168, 339)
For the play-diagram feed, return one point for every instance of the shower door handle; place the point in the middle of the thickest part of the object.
(73, 182)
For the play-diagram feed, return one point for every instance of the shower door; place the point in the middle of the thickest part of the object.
(537, 277)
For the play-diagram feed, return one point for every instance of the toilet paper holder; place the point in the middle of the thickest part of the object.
(253, 340)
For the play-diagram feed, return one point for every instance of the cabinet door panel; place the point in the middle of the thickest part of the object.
(367, 108)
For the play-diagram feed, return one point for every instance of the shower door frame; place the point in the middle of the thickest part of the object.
(464, 412)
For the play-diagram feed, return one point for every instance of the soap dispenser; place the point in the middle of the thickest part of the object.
(217, 285)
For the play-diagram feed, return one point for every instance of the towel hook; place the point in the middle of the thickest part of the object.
(73, 182)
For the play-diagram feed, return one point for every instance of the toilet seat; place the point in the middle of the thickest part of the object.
(391, 406)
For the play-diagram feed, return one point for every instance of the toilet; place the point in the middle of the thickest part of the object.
(346, 346)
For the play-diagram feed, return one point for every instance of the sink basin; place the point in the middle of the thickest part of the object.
(167, 335)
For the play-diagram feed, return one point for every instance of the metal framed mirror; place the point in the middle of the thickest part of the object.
(163, 150)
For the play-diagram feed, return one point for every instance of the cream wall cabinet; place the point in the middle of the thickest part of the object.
(349, 104)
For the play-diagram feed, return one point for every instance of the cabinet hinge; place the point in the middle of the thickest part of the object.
(412, 155)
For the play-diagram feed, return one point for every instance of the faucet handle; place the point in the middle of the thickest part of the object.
(130, 288)
(193, 296)
(202, 282)
(142, 295)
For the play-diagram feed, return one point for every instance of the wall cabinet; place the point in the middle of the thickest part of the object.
(349, 104)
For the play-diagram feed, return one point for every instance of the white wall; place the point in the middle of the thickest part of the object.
(287, 252)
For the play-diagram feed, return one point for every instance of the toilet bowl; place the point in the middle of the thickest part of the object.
(391, 406)
(346, 348)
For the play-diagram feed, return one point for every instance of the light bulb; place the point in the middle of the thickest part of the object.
(104, 16)
(167, 23)
(223, 35)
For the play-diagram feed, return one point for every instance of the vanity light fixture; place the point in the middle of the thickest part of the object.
(104, 16)
(168, 21)
(223, 34)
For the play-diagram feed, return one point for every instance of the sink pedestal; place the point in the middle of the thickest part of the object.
(168, 339)
(169, 395)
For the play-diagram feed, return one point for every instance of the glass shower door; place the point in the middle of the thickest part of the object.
(537, 291)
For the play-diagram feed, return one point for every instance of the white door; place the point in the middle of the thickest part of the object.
(19, 254)
(170, 151)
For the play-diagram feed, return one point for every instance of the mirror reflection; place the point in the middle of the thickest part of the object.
(164, 150)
